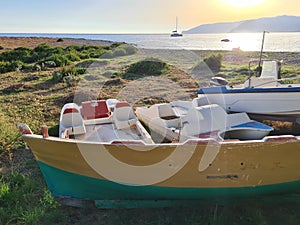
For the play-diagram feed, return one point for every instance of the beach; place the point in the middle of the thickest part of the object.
(232, 57)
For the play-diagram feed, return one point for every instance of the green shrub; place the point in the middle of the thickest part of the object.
(57, 77)
(130, 49)
(148, 67)
(214, 62)
(28, 67)
(42, 48)
(50, 64)
(84, 55)
(115, 45)
(63, 74)
(4, 67)
(71, 48)
(97, 53)
(42, 51)
(21, 53)
(57, 50)
(91, 62)
(92, 51)
(119, 52)
(60, 60)
(10, 66)
(71, 80)
(46, 56)
(108, 55)
(73, 56)
(60, 40)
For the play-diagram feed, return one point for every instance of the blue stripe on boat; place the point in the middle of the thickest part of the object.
(225, 90)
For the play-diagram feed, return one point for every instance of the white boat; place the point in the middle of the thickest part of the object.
(101, 121)
(264, 96)
(175, 32)
(183, 120)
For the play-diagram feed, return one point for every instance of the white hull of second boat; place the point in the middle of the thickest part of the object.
(263, 96)
(265, 103)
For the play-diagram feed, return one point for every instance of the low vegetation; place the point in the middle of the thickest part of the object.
(44, 56)
(34, 85)
(214, 62)
(70, 76)
(25, 200)
(146, 67)
(122, 50)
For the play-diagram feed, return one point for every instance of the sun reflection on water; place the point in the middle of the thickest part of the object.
(245, 41)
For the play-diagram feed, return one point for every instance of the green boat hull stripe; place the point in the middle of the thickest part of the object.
(66, 184)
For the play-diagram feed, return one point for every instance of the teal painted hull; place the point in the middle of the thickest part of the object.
(74, 186)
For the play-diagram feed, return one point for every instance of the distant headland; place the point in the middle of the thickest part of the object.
(272, 24)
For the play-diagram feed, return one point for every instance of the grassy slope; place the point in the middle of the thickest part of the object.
(35, 99)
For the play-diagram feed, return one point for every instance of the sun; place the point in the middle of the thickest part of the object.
(242, 3)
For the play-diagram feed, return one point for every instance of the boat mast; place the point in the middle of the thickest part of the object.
(261, 51)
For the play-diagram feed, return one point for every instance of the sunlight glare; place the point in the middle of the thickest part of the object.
(242, 3)
(245, 41)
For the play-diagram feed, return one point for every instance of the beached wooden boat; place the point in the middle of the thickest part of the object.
(140, 173)
(201, 170)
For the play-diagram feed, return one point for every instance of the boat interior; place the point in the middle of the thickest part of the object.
(183, 120)
(270, 76)
(96, 121)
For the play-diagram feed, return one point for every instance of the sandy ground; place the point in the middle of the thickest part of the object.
(9, 43)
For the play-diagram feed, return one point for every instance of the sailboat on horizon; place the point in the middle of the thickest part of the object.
(175, 32)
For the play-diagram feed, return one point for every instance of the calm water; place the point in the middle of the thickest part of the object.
(246, 41)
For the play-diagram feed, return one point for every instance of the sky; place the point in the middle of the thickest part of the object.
(131, 16)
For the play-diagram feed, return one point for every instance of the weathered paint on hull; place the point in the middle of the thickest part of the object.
(65, 184)
(236, 170)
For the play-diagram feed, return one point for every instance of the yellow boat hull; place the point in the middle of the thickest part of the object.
(195, 170)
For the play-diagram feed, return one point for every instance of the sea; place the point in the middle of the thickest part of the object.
(273, 42)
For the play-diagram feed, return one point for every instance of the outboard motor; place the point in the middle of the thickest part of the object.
(218, 81)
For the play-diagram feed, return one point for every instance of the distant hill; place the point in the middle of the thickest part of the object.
(271, 24)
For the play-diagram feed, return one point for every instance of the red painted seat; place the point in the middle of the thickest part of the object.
(122, 104)
(94, 109)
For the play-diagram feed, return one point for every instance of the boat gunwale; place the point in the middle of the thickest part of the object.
(280, 139)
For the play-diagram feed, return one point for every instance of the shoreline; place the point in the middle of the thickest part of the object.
(10, 43)
(230, 57)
